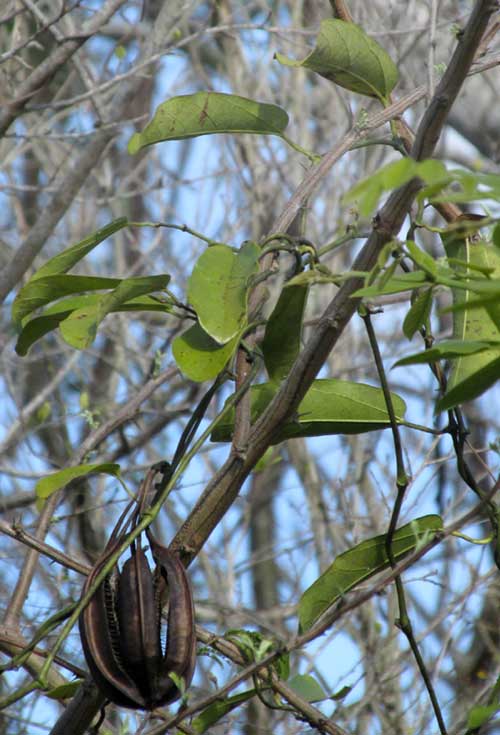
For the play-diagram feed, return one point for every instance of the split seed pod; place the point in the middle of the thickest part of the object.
(120, 628)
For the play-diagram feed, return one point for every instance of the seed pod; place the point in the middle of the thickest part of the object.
(120, 627)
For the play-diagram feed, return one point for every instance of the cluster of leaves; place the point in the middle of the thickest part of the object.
(223, 277)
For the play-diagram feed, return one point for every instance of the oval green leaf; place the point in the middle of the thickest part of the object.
(38, 327)
(199, 356)
(307, 688)
(347, 56)
(218, 288)
(359, 564)
(329, 407)
(79, 329)
(207, 113)
(48, 485)
(40, 291)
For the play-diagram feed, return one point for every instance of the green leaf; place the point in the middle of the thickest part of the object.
(64, 691)
(448, 350)
(396, 284)
(307, 687)
(422, 260)
(474, 372)
(206, 113)
(42, 290)
(281, 343)
(496, 237)
(62, 262)
(418, 314)
(215, 711)
(218, 288)
(359, 564)
(48, 485)
(474, 385)
(199, 356)
(79, 329)
(38, 327)
(368, 191)
(347, 56)
(329, 407)
(480, 714)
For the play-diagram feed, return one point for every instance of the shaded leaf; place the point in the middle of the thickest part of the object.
(418, 314)
(218, 288)
(474, 385)
(48, 485)
(215, 711)
(281, 343)
(329, 407)
(79, 329)
(206, 113)
(307, 687)
(64, 691)
(347, 56)
(199, 356)
(359, 564)
(448, 350)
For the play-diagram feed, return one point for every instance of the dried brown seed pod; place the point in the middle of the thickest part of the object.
(120, 627)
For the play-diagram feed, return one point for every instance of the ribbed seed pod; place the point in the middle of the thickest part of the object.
(120, 628)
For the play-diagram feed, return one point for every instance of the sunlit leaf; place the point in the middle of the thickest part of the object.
(206, 113)
(43, 290)
(218, 288)
(329, 407)
(359, 564)
(53, 315)
(79, 329)
(48, 485)
(347, 56)
(62, 262)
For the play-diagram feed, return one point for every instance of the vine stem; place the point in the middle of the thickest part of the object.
(404, 622)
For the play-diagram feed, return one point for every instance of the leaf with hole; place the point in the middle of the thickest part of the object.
(329, 407)
(218, 289)
(347, 56)
(359, 564)
(207, 113)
